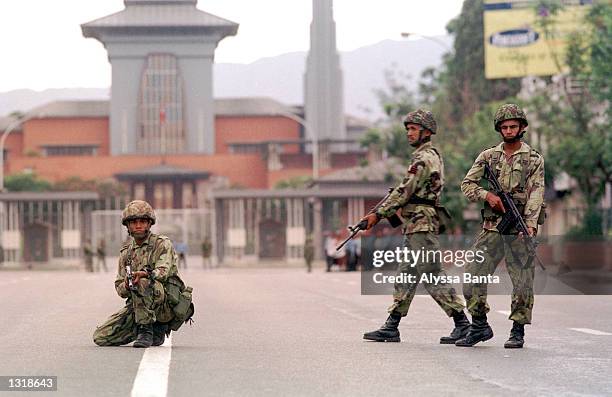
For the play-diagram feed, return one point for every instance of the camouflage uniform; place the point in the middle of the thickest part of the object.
(424, 180)
(148, 304)
(309, 252)
(521, 174)
(88, 253)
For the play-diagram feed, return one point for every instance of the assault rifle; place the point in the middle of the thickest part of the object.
(128, 269)
(130, 276)
(512, 217)
(394, 220)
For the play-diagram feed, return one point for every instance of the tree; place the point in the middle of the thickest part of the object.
(466, 83)
(576, 122)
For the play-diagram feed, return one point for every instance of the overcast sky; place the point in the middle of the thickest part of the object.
(41, 44)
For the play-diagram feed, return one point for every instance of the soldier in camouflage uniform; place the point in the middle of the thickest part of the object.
(417, 197)
(150, 310)
(520, 171)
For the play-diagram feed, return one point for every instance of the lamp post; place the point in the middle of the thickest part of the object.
(5, 135)
(430, 38)
(315, 141)
(11, 127)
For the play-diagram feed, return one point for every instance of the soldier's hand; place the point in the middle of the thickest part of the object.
(371, 219)
(495, 202)
(532, 232)
(138, 275)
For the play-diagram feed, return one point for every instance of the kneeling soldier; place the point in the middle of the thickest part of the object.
(157, 299)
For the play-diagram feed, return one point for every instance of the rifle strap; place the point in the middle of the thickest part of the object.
(525, 166)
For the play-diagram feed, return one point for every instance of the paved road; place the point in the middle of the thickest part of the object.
(285, 332)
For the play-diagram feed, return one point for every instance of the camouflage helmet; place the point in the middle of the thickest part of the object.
(423, 118)
(510, 111)
(138, 209)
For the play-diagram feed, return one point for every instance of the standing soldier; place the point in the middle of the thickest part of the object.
(417, 196)
(520, 171)
(157, 299)
(88, 253)
(206, 253)
(101, 253)
(309, 252)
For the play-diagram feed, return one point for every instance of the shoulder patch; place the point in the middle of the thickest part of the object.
(414, 168)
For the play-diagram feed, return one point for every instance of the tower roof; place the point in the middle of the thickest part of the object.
(159, 16)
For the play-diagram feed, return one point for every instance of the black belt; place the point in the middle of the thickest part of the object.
(421, 201)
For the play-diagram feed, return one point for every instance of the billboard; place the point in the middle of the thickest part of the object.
(514, 44)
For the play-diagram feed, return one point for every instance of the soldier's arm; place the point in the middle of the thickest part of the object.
(402, 192)
(166, 258)
(120, 279)
(470, 185)
(535, 193)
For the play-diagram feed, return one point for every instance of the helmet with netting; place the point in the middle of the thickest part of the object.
(510, 111)
(423, 118)
(138, 209)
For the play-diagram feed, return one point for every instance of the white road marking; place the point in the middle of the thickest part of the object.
(152, 377)
(590, 331)
(347, 313)
(504, 312)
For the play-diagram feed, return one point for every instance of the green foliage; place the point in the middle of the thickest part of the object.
(105, 188)
(467, 89)
(371, 137)
(459, 155)
(26, 182)
(298, 182)
(74, 184)
(599, 18)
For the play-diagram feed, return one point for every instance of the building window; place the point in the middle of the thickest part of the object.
(139, 191)
(70, 150)
(163, 195)
(187, 195)
(161, 124)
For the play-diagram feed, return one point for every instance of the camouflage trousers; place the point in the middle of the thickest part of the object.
(496, 247)
(145, 306)
(444, 294)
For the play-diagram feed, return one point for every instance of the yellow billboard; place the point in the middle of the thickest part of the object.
(516, 46)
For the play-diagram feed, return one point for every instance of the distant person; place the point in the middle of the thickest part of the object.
(101, 256)
(352, 256)
(88, 254)
(330, 250)
(181, 250)
(206, 253)
(309, 252)
(339, 255)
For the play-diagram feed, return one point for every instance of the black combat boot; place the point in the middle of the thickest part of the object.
(145, 336)
(462, 326)
(517, 337)
(159, 333)
(479, 331)
(388, 332)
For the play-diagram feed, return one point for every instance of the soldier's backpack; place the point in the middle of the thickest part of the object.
(179, 297)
